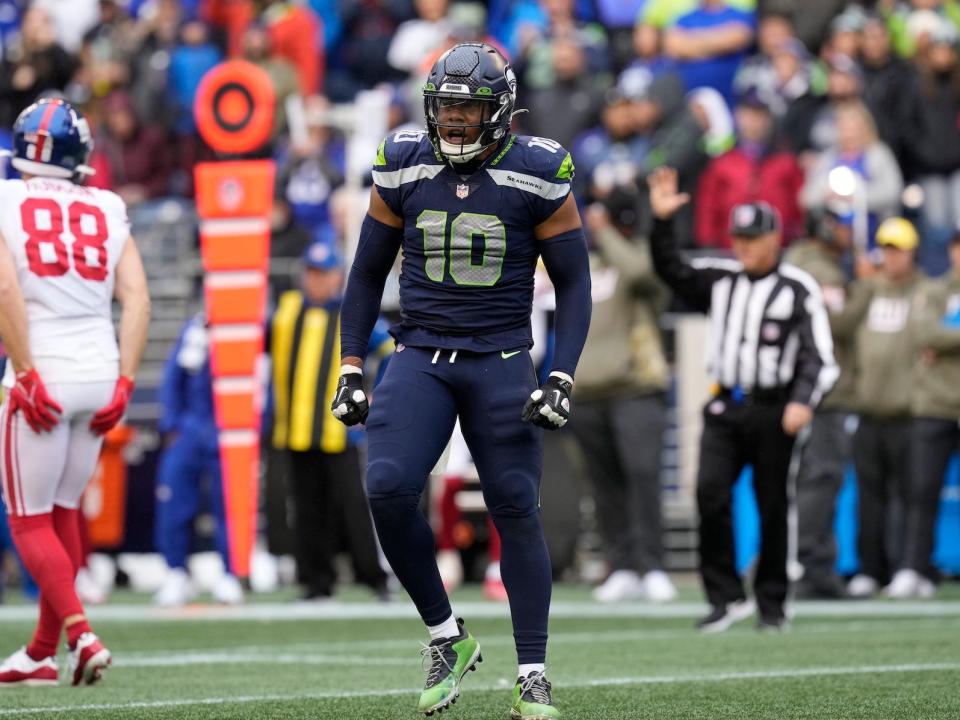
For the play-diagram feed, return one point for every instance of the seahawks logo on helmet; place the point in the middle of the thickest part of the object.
(470, 73)
(511, 81)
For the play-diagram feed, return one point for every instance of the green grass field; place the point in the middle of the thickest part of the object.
(358, 659)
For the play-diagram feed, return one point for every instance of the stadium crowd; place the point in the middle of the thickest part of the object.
(839, 115)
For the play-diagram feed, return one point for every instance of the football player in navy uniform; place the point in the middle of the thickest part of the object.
(473, 207)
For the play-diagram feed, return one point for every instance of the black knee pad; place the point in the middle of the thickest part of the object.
(523, 528)
(387, 477)
(388, 510)
(514, 493)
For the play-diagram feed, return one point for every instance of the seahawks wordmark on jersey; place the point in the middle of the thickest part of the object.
(469, 251)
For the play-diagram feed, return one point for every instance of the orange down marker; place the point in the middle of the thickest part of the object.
(234, 113)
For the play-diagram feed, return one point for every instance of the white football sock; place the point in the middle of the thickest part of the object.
(447, 629)
(527, 668)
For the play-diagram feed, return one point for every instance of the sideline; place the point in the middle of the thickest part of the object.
(786, 673)
(335, 610)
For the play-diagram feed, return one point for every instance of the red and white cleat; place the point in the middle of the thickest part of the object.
(493, 589)
(87, 660)
(21, 670)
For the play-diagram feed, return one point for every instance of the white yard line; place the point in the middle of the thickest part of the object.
(785, 673)
(399, 610)
(408, 645)
(229, 657)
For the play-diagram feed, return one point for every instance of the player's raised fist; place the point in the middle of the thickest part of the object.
(549, 406)
(29, 396)
(350, 405)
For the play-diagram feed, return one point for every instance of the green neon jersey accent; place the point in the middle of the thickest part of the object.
(506, 149)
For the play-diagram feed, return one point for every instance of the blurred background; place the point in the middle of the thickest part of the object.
(838, 114)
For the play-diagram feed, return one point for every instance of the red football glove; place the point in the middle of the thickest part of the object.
(106, 417)
(30, 396)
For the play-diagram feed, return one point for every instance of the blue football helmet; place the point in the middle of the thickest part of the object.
(51, 138)
(470, 73)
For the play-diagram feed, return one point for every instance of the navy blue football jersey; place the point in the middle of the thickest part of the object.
(469, 251)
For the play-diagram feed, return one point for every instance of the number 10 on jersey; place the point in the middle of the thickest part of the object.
(464, 228)
(42, 219)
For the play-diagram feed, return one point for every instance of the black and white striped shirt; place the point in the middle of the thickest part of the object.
(766, 333)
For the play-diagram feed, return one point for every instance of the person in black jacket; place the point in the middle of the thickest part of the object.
(33, 65)
(770, 354)
(888, 83)
(932, 142)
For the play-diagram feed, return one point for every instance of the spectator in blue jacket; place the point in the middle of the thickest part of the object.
(189, 62)
(189, 467)
(709, 44)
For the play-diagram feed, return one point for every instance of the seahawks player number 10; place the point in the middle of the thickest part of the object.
(474, 208)
(464, 228)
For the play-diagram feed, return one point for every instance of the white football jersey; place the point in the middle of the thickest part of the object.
(66, 240)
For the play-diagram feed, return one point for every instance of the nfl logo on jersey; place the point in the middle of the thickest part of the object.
(462, 191)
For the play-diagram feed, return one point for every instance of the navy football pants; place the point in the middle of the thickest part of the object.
(412, 414)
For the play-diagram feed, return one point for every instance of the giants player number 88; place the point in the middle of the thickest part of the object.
(66, 253)
(48, 236)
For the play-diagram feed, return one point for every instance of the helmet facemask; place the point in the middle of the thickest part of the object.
(468, 101)
(463, 126)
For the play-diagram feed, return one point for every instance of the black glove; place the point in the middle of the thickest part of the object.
(549, 406)
(350, 404)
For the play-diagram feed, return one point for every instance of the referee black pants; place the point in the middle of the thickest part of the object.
(330, 511)
(733, 437)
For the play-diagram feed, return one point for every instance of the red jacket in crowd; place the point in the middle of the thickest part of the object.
(231, 15)
(739, 176)
(296, 34)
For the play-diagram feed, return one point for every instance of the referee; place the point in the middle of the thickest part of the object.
(771, 357)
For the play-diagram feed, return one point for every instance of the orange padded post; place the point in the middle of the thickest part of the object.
(234, 349)
(235, 403)
(234, 113)
(235, 297)
(104, 501)
(240, 459)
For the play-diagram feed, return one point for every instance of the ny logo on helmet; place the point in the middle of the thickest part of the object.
(36, 142)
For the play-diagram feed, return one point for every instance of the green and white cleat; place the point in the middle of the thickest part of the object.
(532, 699)
(450, 659)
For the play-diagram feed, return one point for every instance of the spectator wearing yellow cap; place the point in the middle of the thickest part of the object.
(881, 311)
(935, 434)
